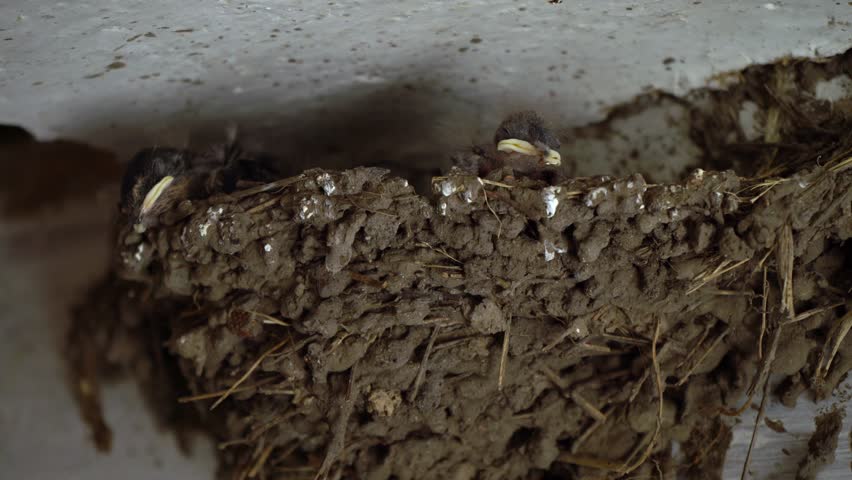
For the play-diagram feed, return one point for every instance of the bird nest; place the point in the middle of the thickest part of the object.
(337, 324)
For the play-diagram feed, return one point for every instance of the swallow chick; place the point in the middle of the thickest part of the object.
(155, 179)
(522, 143)
(239, 167)
(525, 144)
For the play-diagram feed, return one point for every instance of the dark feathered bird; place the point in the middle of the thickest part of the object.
(156, 179)
(525, 133)
(523, 143)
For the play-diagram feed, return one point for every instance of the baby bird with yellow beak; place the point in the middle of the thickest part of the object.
(154, 181)
(526, 144)
(523, 144)
(157, 179)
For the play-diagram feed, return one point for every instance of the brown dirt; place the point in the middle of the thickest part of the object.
(776, 426)
(344, 326)
(822, 444)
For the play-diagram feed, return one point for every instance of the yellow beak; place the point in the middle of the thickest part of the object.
(154, 193)
(526, 148)
(518, 146)
(553, 158)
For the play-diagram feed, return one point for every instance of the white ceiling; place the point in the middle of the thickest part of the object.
(122, 74)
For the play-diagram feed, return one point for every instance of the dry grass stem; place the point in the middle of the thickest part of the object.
(421, 372)
(504, 355)
(836, 336)
(587, 406)
(268, 319)
(703, 356)
(760, 413)
(248, 373)
(708, 276)
(785, 270)
(763, 314)
(812, 313)
(261, 460)
(207, 396)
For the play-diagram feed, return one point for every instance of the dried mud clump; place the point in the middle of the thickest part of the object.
(337, 324)
(821, 445)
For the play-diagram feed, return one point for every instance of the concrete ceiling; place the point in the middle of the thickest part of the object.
(425, 74)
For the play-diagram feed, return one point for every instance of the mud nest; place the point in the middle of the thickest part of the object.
(339, 325)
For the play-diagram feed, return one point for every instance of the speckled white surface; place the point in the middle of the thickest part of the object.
(393, 81)
(294, 66)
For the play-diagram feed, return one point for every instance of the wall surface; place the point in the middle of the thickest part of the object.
(384, 81)
(326, 74)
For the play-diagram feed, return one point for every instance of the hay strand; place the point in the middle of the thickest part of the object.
(504, 355)
(421, 372)
(248, 373)
(785, 270)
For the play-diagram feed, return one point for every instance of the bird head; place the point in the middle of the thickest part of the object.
(525, 133)
(150, 174)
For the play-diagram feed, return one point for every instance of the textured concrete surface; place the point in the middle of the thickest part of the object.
(388, 81)
(391, 73)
